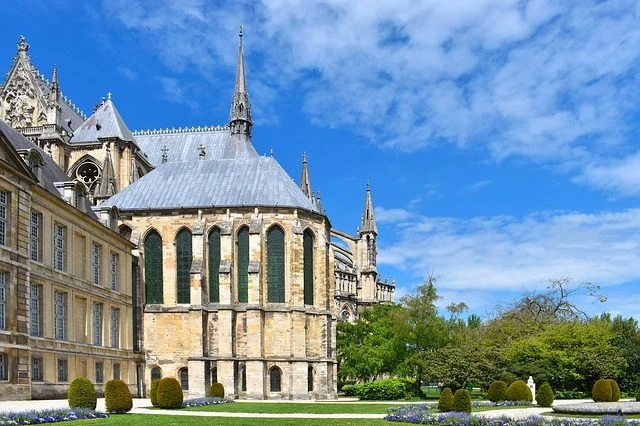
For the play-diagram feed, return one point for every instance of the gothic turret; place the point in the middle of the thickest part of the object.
(240, 116)
(53, 104)
(368, 222)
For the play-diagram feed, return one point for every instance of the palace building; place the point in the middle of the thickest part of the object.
(227, 271)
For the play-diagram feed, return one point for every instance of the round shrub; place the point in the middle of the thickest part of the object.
(217, 390)
(169, 393)
(82, 394)
(508, 378)
(462, 401)
(545, 395)
(153, 392)
(601, 391)
(117, 397)
(519, 391)
(445, 403)
(383, 390)
(615, 390)
(497, 391)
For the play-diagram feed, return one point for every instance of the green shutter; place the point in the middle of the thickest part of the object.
(183, 265)
(214, 265)
(243, 265)
(153, 267)
(275, 265)
(308, 267)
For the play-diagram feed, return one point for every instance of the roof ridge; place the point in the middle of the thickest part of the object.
(192, 129)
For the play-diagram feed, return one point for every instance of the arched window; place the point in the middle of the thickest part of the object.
(4, 364)
(214, 265)
(307, 243)
(183, 265)
(243, 264)
(275, 265)
(153, 267)
(310, 379)
(275, 379)
(156, 373)
(184, 378)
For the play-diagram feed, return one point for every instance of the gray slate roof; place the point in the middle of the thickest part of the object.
(257, 181)
(68, 111)
(105, 122)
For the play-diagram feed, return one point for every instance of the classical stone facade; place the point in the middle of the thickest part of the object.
(242, 276)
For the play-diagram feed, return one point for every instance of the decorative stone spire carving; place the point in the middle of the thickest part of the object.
(368, 223)
(107, 186)
(54, 94)
(305, 181)
(23, 47)
(240, 116)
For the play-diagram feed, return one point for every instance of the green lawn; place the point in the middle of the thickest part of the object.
(311, 408)
(158, 420)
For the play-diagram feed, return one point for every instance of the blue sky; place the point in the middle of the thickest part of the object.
(499, 137)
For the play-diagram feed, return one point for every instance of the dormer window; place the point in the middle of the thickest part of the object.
(35, 163)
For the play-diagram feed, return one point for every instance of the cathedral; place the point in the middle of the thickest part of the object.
(233, 271)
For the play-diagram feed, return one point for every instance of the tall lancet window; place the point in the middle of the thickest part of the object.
(183, 265)
(275, 265)
(153, 267)
(243, 264)
(214, 265)
(307, 243)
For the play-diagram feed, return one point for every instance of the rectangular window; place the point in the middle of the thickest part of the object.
(115, 327)
(60, 313)
(97, 324)
(96, 262)
(4, 366)
(3, 300)
(113, 271)
(35, 232)
(62, 370)
(36, 369)
(59, 246)
(4, 216)
(35, 311)
(99, 372)
(116, 371)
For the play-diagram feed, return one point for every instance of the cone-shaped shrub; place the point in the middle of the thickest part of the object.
(217, 390)
(153, 392)
(82, 394)
(545, 396)
(169, 393)
(615, 390)
(601, 391)
(519, 391)
(462, 401)
(497, 391)
(445, 403)
(117, 397)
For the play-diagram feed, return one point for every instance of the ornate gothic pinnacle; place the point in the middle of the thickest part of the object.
(23, 46)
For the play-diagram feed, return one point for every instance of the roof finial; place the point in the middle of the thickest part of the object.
(240, 34)
(23, 46)
(108, 96)
(368, 223)
(164, 151)
(240, 115)
(202, 152)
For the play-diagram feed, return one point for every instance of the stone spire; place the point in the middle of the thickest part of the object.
(54, 93)
(107, 186)
(240, 116)
(23, 47)
(305, 182)
(368, 223)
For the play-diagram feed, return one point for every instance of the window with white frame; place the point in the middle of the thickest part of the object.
(62, 370)
(35, 310)
(4, 366)
(4, 217)
(35, 236)
(96, 262)
(113, 271)
(3, 300)
(59, 246)
(36, 369)
(60, 314)
(115, 327)
(97, 324)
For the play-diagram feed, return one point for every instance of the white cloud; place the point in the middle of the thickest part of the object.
(127, 73)
(391, 215)
(617, 176)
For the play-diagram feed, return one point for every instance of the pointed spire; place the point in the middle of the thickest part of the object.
(305, 181)
(54, 93)
(240, 116)
(107, 186)
(319, 203)
(23, 47)
(368, 223)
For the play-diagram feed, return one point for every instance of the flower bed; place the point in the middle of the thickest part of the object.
(624, 407)
(48, 416)
(202, 402)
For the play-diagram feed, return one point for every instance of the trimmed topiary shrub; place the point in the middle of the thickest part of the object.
(384, 390)
(544, 395)
(615, 390)
(601, 391)
(169, 393)
(153, 392)
(445, 403)
(508, 378)
(117, 397)
(462, 401)
(82, 394)
(217, 390)
(497, 391)
(519, 391)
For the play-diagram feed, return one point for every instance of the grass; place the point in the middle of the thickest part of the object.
(151, 420)
(311, 408)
